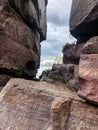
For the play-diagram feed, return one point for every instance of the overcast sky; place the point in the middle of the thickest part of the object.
(58, 13)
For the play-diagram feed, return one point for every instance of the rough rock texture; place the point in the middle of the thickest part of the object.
(88, 71)
(26, 105)
(71, 53)
(33, 13)
(66, 74)
(82, 117)
(84, 19)
(84, 26)
(19, 45)
(29, 105)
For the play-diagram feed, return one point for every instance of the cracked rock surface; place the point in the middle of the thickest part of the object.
(29, 105)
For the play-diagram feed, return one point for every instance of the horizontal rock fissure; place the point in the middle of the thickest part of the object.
(80, 33)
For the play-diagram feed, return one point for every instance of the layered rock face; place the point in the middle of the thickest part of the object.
(33, 13)
(83, 26)
(22, 28)
(29, 105)
(84, 19)
(88, 71)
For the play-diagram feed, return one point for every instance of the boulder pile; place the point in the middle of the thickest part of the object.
(55, 104)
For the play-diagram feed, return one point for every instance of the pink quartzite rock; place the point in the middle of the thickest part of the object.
(29, 105)
(82, 117)
(88, 71)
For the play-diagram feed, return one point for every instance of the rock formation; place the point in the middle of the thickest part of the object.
(66, 74)
(29, 105)
(88, 71)
(84, 26)
(84, 19)
(22, 28)
(71, 53)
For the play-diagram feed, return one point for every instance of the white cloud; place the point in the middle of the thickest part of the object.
(58, 13)
(59, 10)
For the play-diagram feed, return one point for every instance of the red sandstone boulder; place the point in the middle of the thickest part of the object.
(26, 105)
(29, 105)
(88, 71)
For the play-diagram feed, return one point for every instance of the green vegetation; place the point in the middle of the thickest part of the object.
(55, 60)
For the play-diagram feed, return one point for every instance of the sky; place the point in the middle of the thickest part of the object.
(58, 13)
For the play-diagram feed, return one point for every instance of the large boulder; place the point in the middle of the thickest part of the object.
(26, 105)
(29, 105)
(19, 42)
(88, 71)
(84, 19)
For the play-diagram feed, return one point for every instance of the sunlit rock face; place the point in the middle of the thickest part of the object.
(84, 19)
(22, 28)
(29, 105)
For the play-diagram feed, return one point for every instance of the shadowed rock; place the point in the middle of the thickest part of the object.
(71, 53)
(66, 74)
(84, 19)
(19, 42)
(33, 13)
(3, 80)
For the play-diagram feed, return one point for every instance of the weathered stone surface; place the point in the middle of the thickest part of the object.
(84, 19)
(91, 47)
(88, 71)
(19, 45)
(33, 13)
(29, 105)
(71, 53)
(26, 105)
(24, 108)
(60, 111)
(66, 74)
(82, 117)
